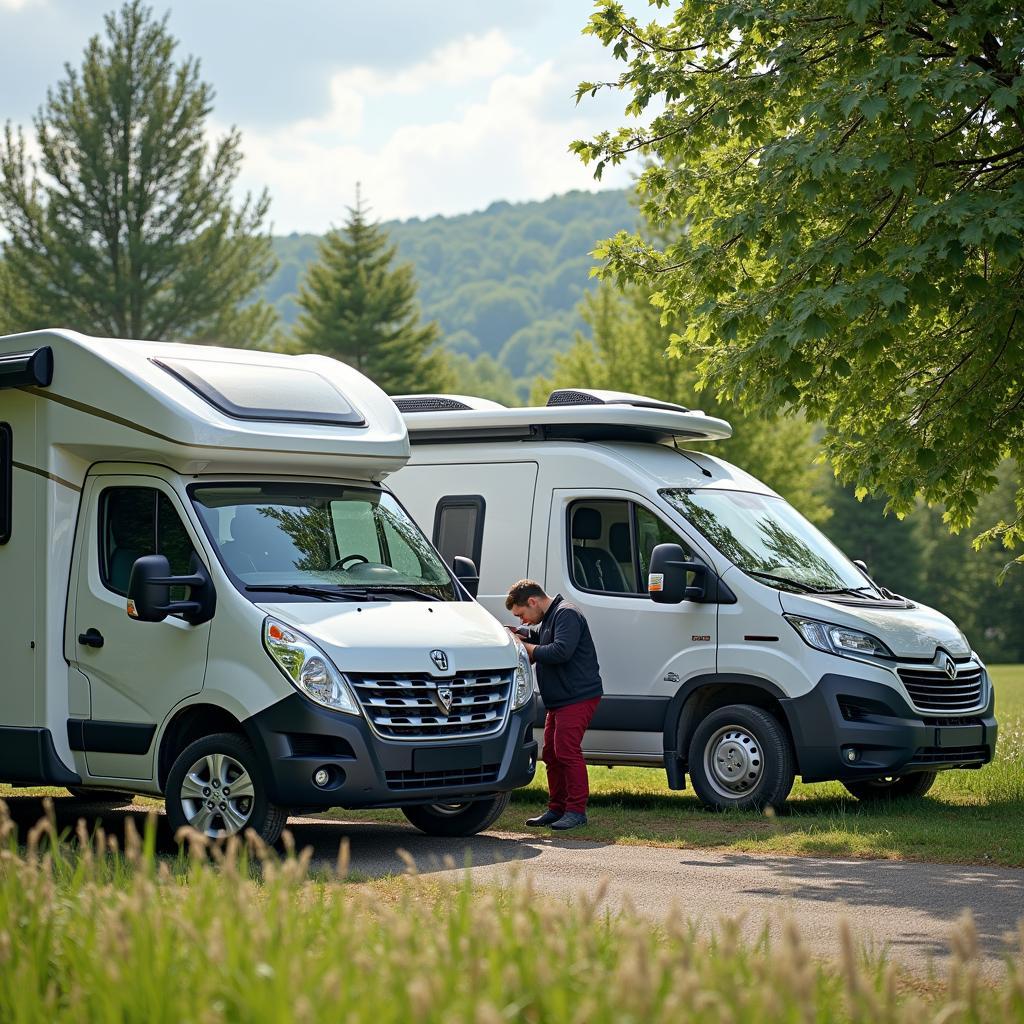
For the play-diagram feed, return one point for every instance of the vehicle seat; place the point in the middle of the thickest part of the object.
(600, 570)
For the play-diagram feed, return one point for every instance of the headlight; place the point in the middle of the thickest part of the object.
(522, 684)
(837, 639)
(308, 668)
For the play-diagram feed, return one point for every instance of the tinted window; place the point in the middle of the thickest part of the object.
(6, 482)
(459, 527)
(137, 521)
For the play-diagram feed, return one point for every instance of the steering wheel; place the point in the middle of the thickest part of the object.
(340, 563)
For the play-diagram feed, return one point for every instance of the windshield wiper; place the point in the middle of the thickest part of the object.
(806, 588)
(856, 591)
(299, 588)
(397, 589)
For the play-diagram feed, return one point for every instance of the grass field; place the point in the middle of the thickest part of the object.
(86, 937)
(968, 817)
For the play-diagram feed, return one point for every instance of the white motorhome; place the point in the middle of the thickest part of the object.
(207, 594)
(737, 643)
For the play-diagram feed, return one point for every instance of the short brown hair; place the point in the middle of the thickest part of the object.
(521, 592)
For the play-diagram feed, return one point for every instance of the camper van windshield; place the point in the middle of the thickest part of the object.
(320, 538)
(768, 539)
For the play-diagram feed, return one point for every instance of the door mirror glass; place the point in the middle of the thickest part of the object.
(466, 573)
(149, 591)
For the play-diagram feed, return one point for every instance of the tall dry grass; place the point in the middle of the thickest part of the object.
(92, 931)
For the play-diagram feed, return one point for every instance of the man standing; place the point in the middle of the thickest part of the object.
(570, 685)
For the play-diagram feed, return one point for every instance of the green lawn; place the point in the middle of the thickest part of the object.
(968, 817)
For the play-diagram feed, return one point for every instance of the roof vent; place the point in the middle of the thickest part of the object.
(441, 403)
(579, 396)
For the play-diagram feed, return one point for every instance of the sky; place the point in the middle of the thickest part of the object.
(438, 107)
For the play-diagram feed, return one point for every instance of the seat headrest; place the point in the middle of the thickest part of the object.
(249, 525)
(586, 524)
(618, 542)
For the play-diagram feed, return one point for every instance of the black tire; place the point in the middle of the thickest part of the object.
(891, 787)
(457, 819)
(242, 811)
(107, 797)
(740, 759)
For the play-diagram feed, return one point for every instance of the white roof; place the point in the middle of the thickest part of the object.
(201, 409)
(609, 422)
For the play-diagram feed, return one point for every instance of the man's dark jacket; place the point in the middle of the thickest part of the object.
(567, 669)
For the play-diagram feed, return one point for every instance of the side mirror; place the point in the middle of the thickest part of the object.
(862, 565)
(466, 573)
(666, 582)
(149, 591)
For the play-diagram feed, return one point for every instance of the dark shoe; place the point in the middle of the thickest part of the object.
(547, 818)
(569, 820)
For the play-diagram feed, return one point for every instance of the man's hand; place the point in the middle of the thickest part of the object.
(530, 648)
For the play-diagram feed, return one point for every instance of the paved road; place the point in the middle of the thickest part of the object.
(908, 909)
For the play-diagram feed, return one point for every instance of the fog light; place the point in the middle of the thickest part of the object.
(321, 777)
(852, 755)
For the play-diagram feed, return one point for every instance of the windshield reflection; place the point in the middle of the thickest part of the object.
(765, 535)
(308, 535)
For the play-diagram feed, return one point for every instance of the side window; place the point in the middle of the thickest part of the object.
(6, 482)
(137, 521)
(600, 546)
(650, 532)
(459, 527)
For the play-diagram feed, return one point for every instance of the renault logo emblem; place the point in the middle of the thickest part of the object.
(440, 659)
(948, 666)
(444, 698)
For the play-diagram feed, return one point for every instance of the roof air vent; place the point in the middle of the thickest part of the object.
(441, 403)
(579, 396)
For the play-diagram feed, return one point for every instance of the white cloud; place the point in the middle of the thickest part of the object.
(478, 125)
(20, 5)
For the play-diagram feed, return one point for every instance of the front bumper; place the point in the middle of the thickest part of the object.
(888, 736)
(294, 738)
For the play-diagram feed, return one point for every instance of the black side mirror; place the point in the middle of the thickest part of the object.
(863, 566)
(666, 582)
(466, 573)
(149, 591)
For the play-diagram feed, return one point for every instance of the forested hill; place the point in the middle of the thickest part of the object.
(503, 282)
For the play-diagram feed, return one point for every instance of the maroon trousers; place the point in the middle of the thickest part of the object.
(568, 786)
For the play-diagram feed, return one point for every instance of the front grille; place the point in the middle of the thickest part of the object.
(448, 777)
(406, 707)
(932, 690)
(949, 755)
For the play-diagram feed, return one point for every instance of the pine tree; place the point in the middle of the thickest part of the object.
(360, 308)
(124, 226)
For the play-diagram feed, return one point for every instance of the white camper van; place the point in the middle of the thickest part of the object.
(737, 643)
(207, 594)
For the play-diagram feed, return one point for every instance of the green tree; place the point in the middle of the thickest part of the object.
(626, 351)
(850, 174)
(358, 307)
(124, 225)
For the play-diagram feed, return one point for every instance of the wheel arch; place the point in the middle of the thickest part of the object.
(703, 694)
(187, 725)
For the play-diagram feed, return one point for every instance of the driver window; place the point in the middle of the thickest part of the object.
(137, 521)
(602, 557)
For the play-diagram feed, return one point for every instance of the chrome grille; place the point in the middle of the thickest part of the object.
(932, 690)
(407, 707)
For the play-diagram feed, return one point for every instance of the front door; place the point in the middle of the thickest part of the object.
(599, 554)
(137, 671)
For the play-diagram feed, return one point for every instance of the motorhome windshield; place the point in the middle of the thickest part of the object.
(769, 540)
(311, 539)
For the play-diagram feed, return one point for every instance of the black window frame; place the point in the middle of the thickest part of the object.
(6, 482)
(475, 501)
(101, 526)
(634, 538)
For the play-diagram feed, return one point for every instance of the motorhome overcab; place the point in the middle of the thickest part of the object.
(737, 644)
(207, 594)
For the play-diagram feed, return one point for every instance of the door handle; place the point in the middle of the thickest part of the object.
(92, 637)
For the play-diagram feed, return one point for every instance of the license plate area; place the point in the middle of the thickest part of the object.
(438, 759)
(959, 736)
